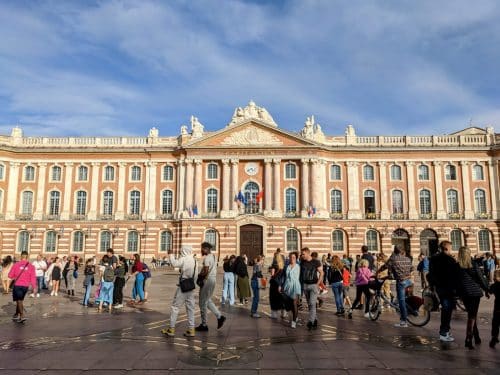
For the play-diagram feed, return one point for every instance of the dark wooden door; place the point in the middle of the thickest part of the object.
(251, 241)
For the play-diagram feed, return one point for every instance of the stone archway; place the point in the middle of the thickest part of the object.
(428, 242)
(251, 241)
(402, 238)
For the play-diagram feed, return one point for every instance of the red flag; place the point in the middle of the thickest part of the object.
(259, 196)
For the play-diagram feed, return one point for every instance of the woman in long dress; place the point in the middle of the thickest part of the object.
(243, 283)
(292, 287)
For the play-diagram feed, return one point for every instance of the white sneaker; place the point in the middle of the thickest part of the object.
(293, 324)
(255, 315)
(284, 314)
(367, 315)
(119, 306)
(38, 295)
(32, 295)
(52, 293)
(401, 324)
(55, 294)
(446, 338)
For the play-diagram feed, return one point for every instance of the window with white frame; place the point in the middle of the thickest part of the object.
(109, 173)
(397, 202)
(133, 241)
(81, 202)
(2, 171)
(166, 241)
(425, 202)
(477, 172)
(337, 240)
(292, 240)
(290, 200)
(395, 172)
(50, 241)
(135, 173)
(450, 172)
(168, 173)
(480, 202)
(212, 201)
(456, 239)
(166, 202)
(212, 171)
(290, 171)
(211, 237)
(423, 172)
(135, 202)
(78, 241)
(336, 201)
(27, 203)
(23, 241)
(484, 240)
(107, 203)
(335, 172)
(372, 240)
(83, 173)
(29, 173)
(54, 202)
(368, 173)
(370, 205)
(105, 241)
(452, 199)
(56, 173)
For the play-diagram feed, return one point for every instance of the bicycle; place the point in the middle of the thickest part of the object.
(418, 313)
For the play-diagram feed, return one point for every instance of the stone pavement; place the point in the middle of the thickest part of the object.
(62, 337)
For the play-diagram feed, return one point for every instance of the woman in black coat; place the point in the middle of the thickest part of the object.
(471, 285)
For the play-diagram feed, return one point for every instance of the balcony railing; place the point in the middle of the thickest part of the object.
(291, 214)
(133, 217)
(164, 217)
(372, 215)
(482, 215)
(456, 216)
(24, 217)
(106, 217)
(51, 217)
(210, 215)
(338, 215)
(399, 216)
(77, 217)
(428, 216)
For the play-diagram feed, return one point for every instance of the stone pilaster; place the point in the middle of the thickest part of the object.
(319, 188)
(12, 199)
(188, 199)
(468, 211)
(226, 189)
(234, 186)
(94, 191)
(277, 187)
(384, 208)
(120, 201)
(438, 180)
(150, 191)
(198, 181)
(181, 176)
(410, 188)
(494, 188)
(304, 187)
(40, 192)
(354, 211)
(68, 179)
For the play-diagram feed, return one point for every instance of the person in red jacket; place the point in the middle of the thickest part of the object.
(24, 274)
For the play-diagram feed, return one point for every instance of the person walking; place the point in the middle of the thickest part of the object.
(228, 281)
(443, 276)
(346, 282)
(335, 279)
(187, 269)
(6, 266)
(472, 283)
(256, 275)
(88, 281)
(23, 273)
(363, 275)
(208, 274)
(311, 271)
(292, 289)
(40, 268)
(495, 322)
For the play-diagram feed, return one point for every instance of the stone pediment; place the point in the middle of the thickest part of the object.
(473, 130)
(251, 135)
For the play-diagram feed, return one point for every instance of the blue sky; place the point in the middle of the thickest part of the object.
(121, 67)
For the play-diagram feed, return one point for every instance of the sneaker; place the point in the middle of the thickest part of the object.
(55, 294)
(446, 338)
(169, 331)
(119, 306)
(293, 324)
(38, 295)
(52, 293)
(190, 332)
(15, 318)
(367, 315)
(202, 328)
(22, 320)
(401, 324)
(32, 295)
(220, 321)
(255, 315)
(284, 314)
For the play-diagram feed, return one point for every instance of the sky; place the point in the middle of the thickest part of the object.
(104, 68)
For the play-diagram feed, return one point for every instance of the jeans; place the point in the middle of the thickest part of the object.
(39, 283)
(138, 287)
(228, 288)
(447, 306)
(205, 300)
(256, 295)
(338, 295)
(401, 285)
(311, 293)
(86, 299)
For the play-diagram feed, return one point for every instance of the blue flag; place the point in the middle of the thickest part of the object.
(195, 210)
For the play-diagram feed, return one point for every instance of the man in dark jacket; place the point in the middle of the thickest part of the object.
(442, 277)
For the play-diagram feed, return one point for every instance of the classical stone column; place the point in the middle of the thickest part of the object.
(468, 211)
(226, 188)
(40, 192)
(353, 188)
(494, 189)
(94, 191)
(180, 187)
(198, 181)
(410, 188)
(150, 191)
(384, 209)
(438, 179)
(268, 197)
(120, 201)
(277, 187)
(68, 179)
(12, 194)
(319, 187)
(234, 186)
(305, 201)
(188, 199)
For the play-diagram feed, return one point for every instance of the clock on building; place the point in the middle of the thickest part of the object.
(251, 169)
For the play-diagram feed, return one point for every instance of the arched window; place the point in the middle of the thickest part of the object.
(292, 240)
(372, 240)
(56, 173)
(168, 173)
(397, 202)
(336, 202)
(457, 239)
(480, 202)
(337, 240)
(50, 241)
(251, 195)
(370, 206)
(166, 202)
(368, 174)
(27, 203)
(450, 172)
(135, 173)
(166, 240)
(484, 240)
(423, 172)
(81, 202)
(452, 198)
(425, 202)
(109, 173)
(212, 171)
(133, 241)
(23, 242)
(290, 171)
(211, 238)
(477, 173)
(83, 173)
(212, 201)
(335, 172)
(395, 172)
(135, 202)
(78, 241)
(107, 206)
(55, 197)
(290, 200)
(105, 241)
(2, 171)
(29, 173)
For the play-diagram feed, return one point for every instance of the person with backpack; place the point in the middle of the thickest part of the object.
(137, 290)
(228, 281)
(311, 275)
(107, 284)
(335, 279)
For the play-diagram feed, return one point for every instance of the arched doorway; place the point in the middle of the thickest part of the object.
(402, 238)
(250, 192)
(428, 242)
(251, 241)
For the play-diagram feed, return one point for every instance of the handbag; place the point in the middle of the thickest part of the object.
(187, 285)
(75, 274)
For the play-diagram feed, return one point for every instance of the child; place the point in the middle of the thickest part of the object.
(346, 280)
(495, 290)
(363, 275)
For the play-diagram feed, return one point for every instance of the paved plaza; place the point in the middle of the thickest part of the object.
(62, 337)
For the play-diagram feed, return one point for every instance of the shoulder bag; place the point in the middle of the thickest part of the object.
(187, 285)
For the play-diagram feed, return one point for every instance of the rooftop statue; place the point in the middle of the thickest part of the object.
(184, 130)
(196, 128)
(251, 111)
(312, 130)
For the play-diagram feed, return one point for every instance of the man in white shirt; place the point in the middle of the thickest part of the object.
(40, 268)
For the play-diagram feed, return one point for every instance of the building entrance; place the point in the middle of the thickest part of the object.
(428, 242)
(251, 241)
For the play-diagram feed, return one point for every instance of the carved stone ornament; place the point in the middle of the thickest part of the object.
(251, 136)
(251, 111)
(312, 130)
